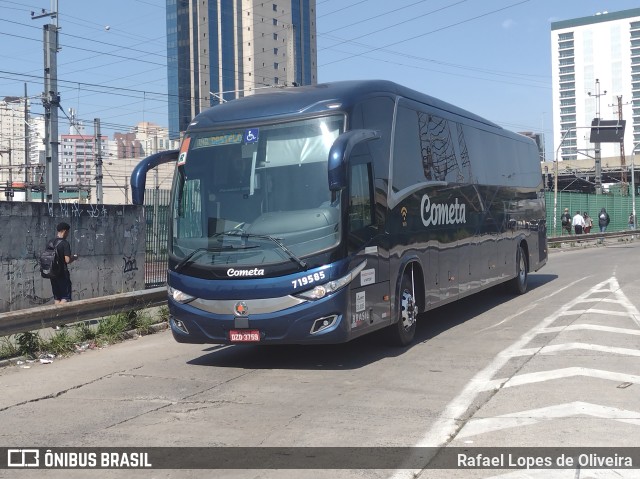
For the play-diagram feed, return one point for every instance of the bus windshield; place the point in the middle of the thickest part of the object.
(255, 195)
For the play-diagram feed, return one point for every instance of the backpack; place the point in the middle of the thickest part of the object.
(565, 219)
(50, 263)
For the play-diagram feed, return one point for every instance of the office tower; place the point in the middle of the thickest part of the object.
(596, 73)
(219, 50)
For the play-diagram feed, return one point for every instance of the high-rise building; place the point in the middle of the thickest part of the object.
(596, 74)
(12, 139)
(77, 158)
(218, 50)
(36, 141)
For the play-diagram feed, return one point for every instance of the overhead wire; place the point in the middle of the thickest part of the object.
(163, 97)
(398, 42)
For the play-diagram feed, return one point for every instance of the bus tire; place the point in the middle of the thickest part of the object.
(404, 329)
(518, 285)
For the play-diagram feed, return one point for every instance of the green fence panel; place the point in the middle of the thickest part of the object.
(618, 207)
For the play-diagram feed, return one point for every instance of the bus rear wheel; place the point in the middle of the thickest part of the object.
(519, 284)
(404, 330)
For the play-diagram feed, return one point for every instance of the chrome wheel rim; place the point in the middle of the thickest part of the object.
(522, 269)
(408, 310)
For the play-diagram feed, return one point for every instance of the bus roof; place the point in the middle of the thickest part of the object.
(315, 98)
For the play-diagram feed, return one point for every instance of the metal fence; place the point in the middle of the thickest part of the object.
(156, 210)
(618, 207)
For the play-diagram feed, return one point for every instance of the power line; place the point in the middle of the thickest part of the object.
(88, 90)
(428, 33)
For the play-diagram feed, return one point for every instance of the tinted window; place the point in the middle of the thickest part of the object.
(428, 147)
(360, 211)
(376, 114)
(407, 167)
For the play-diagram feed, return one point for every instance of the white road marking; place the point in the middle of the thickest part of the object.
(446, 426)
(555, 348)
(564, 373)
(534, 416)
(596, 311)
(593, 327)
(534, 304)
(509, 318)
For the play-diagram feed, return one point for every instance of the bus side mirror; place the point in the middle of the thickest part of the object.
(139, 173)
(339, 155)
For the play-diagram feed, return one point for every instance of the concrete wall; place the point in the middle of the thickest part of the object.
(109, 239)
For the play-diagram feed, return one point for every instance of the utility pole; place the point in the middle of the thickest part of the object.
(598, 155)
(10, 182)
(51, 102)
(98, 155)
(622, 158)
(625, 186)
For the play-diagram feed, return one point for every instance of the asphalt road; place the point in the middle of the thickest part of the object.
(557, 367)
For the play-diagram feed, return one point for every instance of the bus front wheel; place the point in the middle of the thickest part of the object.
(404, 330)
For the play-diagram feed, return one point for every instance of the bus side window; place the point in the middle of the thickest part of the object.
(360, 199)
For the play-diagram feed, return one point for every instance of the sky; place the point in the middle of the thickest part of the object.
(491, 57)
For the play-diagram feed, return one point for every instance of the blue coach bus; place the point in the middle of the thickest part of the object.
(318, 214)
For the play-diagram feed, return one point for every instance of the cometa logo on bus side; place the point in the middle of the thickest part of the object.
(442, 214)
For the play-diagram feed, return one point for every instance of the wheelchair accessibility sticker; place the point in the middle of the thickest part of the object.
(251, 135)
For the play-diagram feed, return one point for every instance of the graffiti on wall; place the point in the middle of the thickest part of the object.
(108, 239)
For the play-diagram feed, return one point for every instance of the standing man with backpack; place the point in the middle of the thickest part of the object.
(603, 220)
(61, 283)
(565, 219)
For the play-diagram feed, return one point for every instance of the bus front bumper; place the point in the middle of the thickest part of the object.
(311, 322)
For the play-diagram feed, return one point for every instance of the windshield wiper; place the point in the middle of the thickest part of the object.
(243, 234)
(188, 257)
(215, 249)
(282, 246)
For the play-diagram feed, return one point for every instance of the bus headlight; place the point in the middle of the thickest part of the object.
(322, 290)
(316, 293)
(179, 296)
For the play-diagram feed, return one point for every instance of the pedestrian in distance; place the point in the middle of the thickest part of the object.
(61, 285)
(588, 223)
(578, 223)
(632, 221)
(565, 219)
(603, 220)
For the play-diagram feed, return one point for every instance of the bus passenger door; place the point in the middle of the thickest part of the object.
(369, 308)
